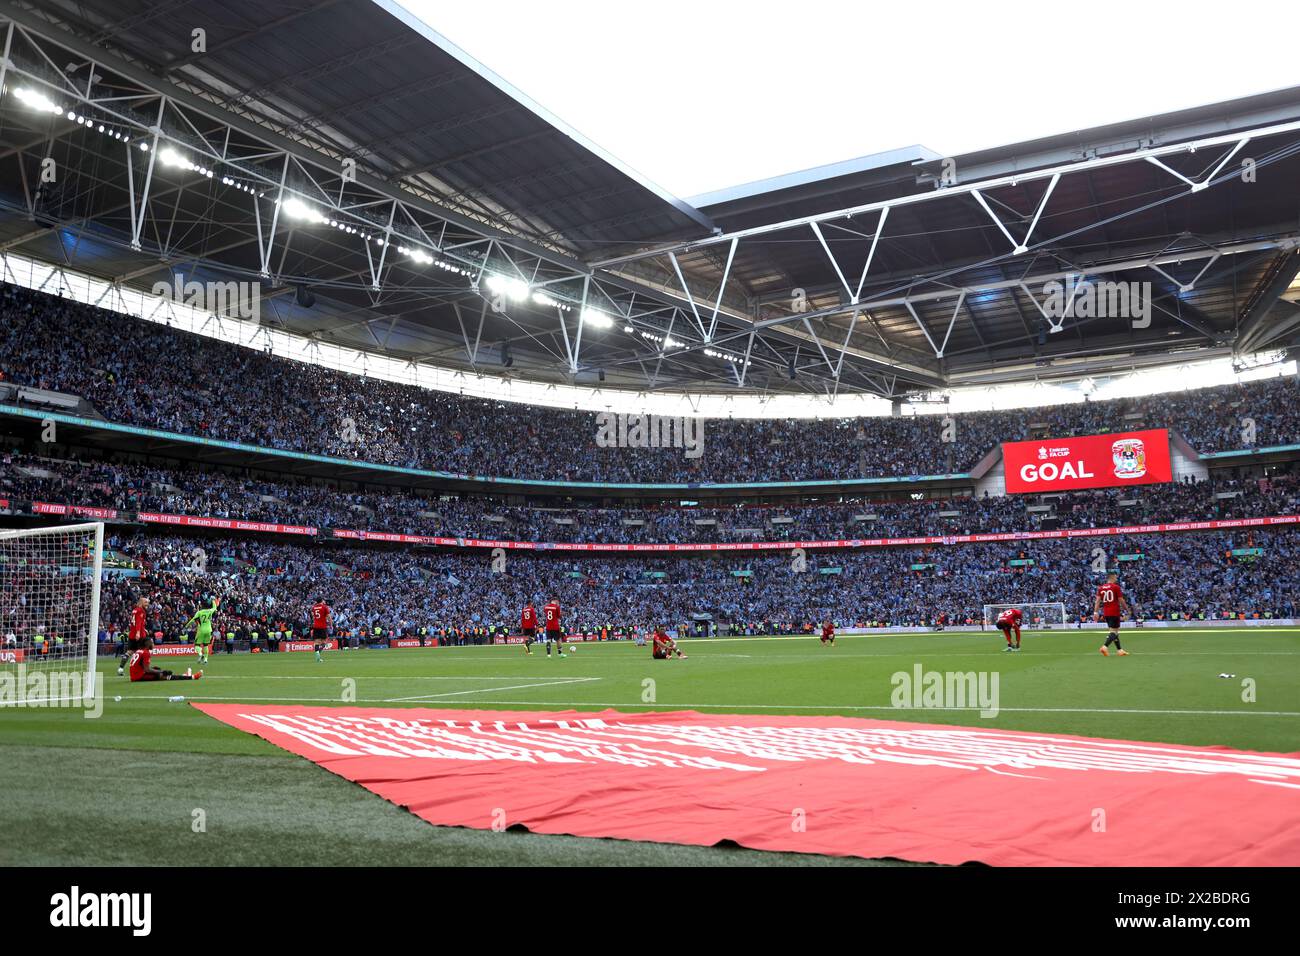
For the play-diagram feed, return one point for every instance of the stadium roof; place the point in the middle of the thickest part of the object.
(478, 228)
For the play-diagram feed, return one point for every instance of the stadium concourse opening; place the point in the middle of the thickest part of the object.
(915, 509)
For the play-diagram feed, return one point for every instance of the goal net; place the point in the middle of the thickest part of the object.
(1036, 615)
(49, 612)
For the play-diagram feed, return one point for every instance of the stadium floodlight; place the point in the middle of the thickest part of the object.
(168, 156)
(628, 329)
(295, 208)
(36, 100)
(541, 298)
(514, 289)
(596, 318)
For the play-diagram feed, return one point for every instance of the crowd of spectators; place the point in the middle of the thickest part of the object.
(133, 487)
(148, 374)
(464, 592)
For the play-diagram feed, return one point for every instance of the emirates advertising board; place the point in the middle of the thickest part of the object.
(1088, 461)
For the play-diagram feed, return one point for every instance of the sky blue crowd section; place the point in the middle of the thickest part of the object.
(146, 374)
(152, 376)
(268, 586)
(129, 487)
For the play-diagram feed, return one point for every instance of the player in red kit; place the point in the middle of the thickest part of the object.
(141, 670)
(528, 625)
(554, 635)
(135, 636)
(664, 647)
(1111, 604)
(320, 627)
(828, 633)
(1008, 621)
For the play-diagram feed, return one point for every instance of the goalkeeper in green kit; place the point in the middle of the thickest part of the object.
(203, 633)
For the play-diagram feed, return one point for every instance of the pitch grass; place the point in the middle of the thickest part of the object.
(123, 788)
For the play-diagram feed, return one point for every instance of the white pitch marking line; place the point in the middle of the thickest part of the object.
(486, 690)
(335, 677)
(1277, 783)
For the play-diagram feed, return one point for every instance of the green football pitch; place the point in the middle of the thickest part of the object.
(123, 788)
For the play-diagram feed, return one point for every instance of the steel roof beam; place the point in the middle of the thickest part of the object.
(970, 188)
(1253, 330)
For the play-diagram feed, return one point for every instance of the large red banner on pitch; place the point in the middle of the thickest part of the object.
(834, 785)
(1089, 461)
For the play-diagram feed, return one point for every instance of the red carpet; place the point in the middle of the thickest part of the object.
(835, 785)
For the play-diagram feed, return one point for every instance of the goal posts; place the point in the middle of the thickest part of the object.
(49, 612)
(1036, 615)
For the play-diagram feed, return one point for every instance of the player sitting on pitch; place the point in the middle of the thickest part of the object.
(203, 632)
(664, 646)
(1008, 621)
(1110, 601)
(136, 635)
(828, 633)
(141, 671)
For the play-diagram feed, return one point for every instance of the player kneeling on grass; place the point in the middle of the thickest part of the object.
(664, 646)
(1008, 621)
(203, 632)
(1111, 604)
(828, 632)
(142, 671)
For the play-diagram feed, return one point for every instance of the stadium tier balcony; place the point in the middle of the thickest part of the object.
(146, 375)
(120, 492)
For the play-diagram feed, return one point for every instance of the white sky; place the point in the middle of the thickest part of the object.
(698, 95)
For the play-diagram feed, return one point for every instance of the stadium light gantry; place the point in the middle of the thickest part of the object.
(36, 100)
(514, 289)
(295, 208)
